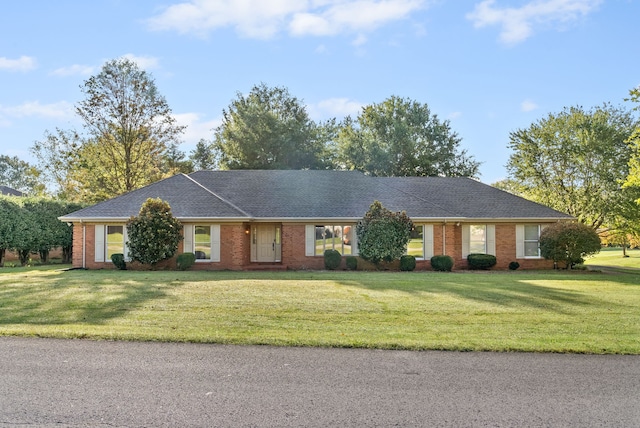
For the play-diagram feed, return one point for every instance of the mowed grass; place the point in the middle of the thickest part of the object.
(613, 258)
(551, 311)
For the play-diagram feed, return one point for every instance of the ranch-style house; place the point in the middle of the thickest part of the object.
(255, 219)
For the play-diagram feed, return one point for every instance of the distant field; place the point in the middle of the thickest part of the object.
(545, 311)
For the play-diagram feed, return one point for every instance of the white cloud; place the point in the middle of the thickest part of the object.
(455, 115)
(518, 24)
(265, 19)
(197, 129)
(60, 110)
(75, 70)
(528, 105)
(144, 62)
(335, 107)
(24, 63)
(360, 40)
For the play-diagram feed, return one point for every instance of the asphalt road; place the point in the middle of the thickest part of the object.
(60, 383)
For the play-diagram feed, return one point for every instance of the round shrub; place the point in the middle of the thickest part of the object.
(442, 263)
(118, 260)
(185, 261)
(407, 263)
(332, 259)
(481, 261)
(514, 265)
(352, 262)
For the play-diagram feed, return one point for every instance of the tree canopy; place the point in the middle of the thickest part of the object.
(20, 175)
(575, 162)
(401, 137)
(269, 129)
(131, 136)
(633, 178)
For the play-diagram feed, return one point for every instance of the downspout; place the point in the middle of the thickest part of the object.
(84, 244)
(444, 238)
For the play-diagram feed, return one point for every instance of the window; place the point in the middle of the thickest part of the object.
(114, 241)
(202, 242)
(415, 247)
(334, 237)
(477, 239)
(531, 240)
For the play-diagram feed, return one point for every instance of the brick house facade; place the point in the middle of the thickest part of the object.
(237, 220)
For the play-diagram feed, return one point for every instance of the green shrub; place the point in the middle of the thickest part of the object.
(481, 261)
(332, 259)
(352, 262)
(154, 234)
(382, 234)
(185, 260)
(569, 243)
(514, 265)
(407, 263)
(118, 260)
(442, 263)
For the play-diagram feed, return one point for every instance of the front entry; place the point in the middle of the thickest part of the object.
(265, 243)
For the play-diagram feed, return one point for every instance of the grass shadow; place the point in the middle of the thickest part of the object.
(75, 297)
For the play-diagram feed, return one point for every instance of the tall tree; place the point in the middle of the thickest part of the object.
(401, 137)
(575, 161)
(203, 157)
(633, 178)
(11, 214)
(130, 135)
(269, 129)
(20, 175)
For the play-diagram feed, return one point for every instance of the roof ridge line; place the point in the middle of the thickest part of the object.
(234, 206)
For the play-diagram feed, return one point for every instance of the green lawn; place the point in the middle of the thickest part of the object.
(552, 311)
(613, 258)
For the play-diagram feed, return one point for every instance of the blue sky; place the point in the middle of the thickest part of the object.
(490, 67)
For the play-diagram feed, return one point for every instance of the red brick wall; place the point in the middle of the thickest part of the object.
(294, 248)
(235, 249)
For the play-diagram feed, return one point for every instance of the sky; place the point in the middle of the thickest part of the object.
(489, 67)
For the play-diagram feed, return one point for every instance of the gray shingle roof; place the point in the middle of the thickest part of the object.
(5, 190)
(277, 194)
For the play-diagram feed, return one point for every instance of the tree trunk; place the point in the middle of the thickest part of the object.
(24, 257)
(44, 256)
(2, 251)
(67, 254)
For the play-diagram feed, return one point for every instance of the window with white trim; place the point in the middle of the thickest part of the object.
(202, 242)
(477, 239)
(532, 240)
(415, 247)
(114, 241)
(334, 237)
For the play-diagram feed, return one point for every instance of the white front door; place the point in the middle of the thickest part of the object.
(267, 243)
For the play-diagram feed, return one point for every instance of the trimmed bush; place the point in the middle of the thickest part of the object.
(352, 262)
(332, 259)
(407, 263)
(569, 243)
(481, 261)
(442, 263)
(118, 260)
(185, 261)
(514, 265)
